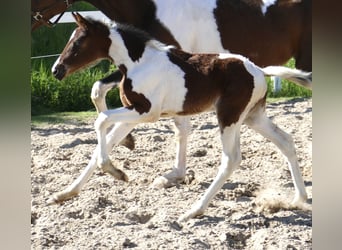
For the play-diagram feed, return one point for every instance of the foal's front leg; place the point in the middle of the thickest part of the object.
(104, 120)
(119, 131)
(98, 96)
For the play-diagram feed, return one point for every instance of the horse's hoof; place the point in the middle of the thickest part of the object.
(299, 200)
(60, 197)
(120, 175)
(128, 142)
(52, 201)
(115, 172)
(176, 225)
(162, 182)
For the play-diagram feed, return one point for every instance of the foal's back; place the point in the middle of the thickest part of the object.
(213, 79)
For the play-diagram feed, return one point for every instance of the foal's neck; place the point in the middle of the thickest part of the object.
(130, 47)
(118, 51)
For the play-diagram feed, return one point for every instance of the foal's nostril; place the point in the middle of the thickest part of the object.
(59, 71)
(55, 72)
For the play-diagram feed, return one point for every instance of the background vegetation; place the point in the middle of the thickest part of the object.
(49, 95)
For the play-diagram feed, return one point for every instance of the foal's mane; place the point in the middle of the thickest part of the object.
(138, 35)
(141, 36)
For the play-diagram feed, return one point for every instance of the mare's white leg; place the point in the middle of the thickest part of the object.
(119, 131)
(231, 158)
(177, 174)
(263, 125)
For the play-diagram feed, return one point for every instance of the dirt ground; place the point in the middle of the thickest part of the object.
(251, 211)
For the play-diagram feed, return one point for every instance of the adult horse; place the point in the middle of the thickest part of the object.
(267, 32)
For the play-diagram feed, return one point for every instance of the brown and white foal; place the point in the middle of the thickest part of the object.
(161, 81)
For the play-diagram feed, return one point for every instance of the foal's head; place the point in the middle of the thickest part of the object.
(88, 44)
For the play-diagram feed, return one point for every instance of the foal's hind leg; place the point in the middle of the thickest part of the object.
(231, 158)
(182, 127)
(263, 125)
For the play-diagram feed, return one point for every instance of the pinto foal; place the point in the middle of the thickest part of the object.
(161, 81)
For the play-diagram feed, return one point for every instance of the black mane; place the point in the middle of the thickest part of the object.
(133, 32)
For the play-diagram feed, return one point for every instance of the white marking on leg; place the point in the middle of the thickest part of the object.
(231, 158)
(182, 126)
(263, 125)
(109, 117)
(98, 95)
(118, 132)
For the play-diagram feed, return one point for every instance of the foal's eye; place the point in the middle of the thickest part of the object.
(75, 54)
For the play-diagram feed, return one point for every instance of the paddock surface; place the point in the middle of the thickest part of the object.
(251, 211)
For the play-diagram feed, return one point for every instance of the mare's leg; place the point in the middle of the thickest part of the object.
(119, 131)
(98, 96)
(303, 58)
(263, 125)
(177, 174)
(231, 158)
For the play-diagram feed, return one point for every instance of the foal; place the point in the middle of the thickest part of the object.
(161, 81)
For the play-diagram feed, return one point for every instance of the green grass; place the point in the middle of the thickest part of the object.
(62, 117)
(85, 116)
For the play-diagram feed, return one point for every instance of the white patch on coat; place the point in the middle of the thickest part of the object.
(266, 4)
(192, 23)
(118, 51)
(167, 88)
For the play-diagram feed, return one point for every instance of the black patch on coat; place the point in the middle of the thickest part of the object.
(134, 40)
(130, 98)
(116, 76)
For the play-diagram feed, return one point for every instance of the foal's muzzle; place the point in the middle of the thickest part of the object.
(59, 71)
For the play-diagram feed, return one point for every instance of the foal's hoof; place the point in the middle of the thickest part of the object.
(299, 200)
(161, 182)
(128, 142)
(60, 197)
(170, 180)
(196, 211)
(115, 172)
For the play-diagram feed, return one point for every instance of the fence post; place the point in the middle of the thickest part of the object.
(276, 84)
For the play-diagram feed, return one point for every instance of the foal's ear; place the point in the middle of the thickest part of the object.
(80, 20)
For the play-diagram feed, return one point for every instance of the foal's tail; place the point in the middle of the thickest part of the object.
(299, 77)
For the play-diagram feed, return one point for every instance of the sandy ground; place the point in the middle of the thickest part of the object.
(251, 211)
